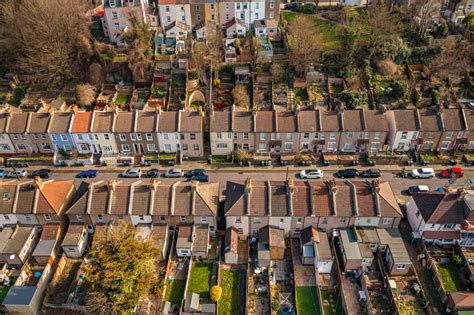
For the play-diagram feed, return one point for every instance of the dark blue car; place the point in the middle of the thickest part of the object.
(87, 174)
(200, 178)
(291, 6)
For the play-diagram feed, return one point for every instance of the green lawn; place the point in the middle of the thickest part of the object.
(122, 100)
(229, 281)
(332, 303)
(200, 279)
(326, 29)
(307, 301)
(450, 277)
(175, 291)
(3, 292)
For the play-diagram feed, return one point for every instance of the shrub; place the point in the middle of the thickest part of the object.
(457, 260)
(306, 9)
(216, 293)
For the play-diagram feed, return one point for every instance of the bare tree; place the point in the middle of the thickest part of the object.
(200, 56)
(96, 74)
(420, 12)
(379, 31)
(241, 96)
(85, 94)
(48, 39)
(303, 43)
(278, 72)
(453, 62)
(215, 47)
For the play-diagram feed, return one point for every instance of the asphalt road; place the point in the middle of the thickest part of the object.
(398, 184)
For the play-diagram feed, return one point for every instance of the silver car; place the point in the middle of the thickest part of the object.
(18, 173)
(132, 173)
(174, 173)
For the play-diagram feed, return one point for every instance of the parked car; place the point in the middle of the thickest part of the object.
(174, 173)
(200, 178)
(291, 6)
(371, 173)
(42, 173)
(132, 173)
(452, 172)
(87, 174)
(416, 189)
(3, 173)
(196, 172)
(16, 164)
(153, 173)
(347, 173)
(311, 174)
(424, 172)
(18, 173)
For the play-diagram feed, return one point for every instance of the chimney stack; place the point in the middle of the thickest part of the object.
(74, 109)
(153, 184)
(194, 185)
(111, 184)
(461, 192)
(248, 185)
(291, 186)
(38, 182)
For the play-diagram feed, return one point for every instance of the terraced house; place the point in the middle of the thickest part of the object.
(28, 137)
(6, 145)
(34, 202)
(149, 203)
(59, 131)
(293, 206)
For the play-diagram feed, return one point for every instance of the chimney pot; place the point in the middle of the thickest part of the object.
(111, 184)
(38, 182)
(248, 185)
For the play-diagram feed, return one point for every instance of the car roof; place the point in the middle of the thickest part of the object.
(427, 169)
(423, 187)
(456, 169)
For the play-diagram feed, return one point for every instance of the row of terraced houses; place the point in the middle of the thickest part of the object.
(116, 133)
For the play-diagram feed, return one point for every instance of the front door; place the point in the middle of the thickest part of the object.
(136, 148)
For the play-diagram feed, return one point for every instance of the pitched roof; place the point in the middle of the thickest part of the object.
(352, 120)
(429, 120)
(308, 121)
(453, 120)
(375, 121)
(388, 202)
(78, 202)
(231, 240)
(7, 193)
(259, 199)
(168, 122)
(365, 200)
(463, 300)
(50, 231)
(309, 234)
(120, 199)
(405, 119)
(146, 121)
(73, 235)
(343, 199)
(322, 201)
(141, 199)
(330, 121)
(18, 123)
(235, 203)
(103, 122)
(124, 122)
(3, 121)
(162, 199)
(272, 235)
(99, 199)
(286, 122)
(264, 121)
(279, 199)
(182, 199)
(439, 207)
(220, 121)
(190, 121)
(207, 199)
(60, 122)
(25, 199)
(201, 238)
(39, 122)
(53, 196)
(81, 122)
(301, 199)
(242, 121)
(469, 114)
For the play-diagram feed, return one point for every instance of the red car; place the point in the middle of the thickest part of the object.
(452, 172)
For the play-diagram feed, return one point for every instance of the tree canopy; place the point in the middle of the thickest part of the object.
(48, 39)
(120, 270)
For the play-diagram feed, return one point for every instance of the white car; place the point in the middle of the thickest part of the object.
(311, 174)
(174, 172)
(424, 172)
(18, 173)
(132, 173)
